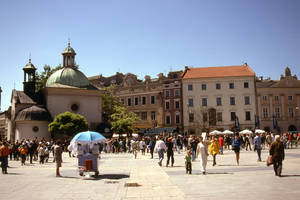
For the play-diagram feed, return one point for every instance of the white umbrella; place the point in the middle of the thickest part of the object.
(115, 135)
(227, 132)
(135, 135)
(259, 131)
(215, 132)
(246, 131)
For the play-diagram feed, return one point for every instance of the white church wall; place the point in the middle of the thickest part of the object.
(25, 130)
(88, 106)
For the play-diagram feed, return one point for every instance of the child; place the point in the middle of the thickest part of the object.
(188, 162)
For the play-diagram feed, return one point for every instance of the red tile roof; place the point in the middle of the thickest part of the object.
(212, 72)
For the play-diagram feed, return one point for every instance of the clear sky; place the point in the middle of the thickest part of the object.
(147, 37)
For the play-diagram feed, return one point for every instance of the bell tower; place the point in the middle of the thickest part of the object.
(69, 57)
(29, 79)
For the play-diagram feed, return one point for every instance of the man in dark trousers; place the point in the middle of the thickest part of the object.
(4, 157)
(277, 153)
(151, 146)
(170, 152)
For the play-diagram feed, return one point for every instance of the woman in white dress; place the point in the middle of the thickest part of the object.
(202, 150)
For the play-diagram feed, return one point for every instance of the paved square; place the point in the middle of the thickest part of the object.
(250, 180)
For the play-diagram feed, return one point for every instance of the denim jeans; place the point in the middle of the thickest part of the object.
(160, 155)
(193, 155)
(259, 154)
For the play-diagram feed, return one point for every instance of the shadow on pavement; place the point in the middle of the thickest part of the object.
(10, 173)
(290, 175)
(112, 176)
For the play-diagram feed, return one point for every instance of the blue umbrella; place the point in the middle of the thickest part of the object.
(88, 137)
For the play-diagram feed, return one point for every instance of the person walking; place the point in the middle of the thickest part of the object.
(236, 147)
(151, 146)
(58, 156)
(188, 162)
(257, 146)
(23, 152)
(202, 150)
(4, 152)
(170, 152)
(214, 148)
(194, 143)
(160, 148)
(221, 144)
(277, 153)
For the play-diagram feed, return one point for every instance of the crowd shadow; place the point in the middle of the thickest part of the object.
(290, 175)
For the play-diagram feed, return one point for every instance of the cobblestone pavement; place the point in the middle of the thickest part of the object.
(250, 180)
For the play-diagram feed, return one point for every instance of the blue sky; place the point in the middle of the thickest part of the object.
(147, 37)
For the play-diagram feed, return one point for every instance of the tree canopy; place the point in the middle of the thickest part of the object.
(123, 120)
(42, 78)
(116, 114)
(68, 123)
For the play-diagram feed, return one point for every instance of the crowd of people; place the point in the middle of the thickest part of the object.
(194, 147)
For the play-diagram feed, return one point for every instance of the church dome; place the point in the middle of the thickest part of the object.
(68, 76)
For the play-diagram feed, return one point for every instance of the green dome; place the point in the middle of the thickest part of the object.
(69, 77)
(69, 50)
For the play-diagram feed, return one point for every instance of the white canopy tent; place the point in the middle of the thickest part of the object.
(259, 131)
(215, 132)
(227, 132)
(246, 131)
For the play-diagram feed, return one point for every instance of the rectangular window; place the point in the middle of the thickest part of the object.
(177, 104)
(219, 116)
(167, 105)
(232, 100)
(204, 101)
(218, 86)
(265, 112)
(203, 86)
(204, 117)
(277, 112)
(129, 102)
(264, 98)
(231, 85)
(276, 98)
(246, 85)
(152, 99)
(177, 93)
(177, 119)
(136, 101)
(291, 113)
(219, 101)
(191, 117)
(190, 87)
(232, 116)
(247, 100)
(153, 115)
(191, 102)
(290, 98)
(167, 93)
(144, 100)
(144, 115)
(248, 115)
(168, 119)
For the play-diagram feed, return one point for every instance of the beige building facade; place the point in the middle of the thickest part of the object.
(279, 103)
(144, 98)
(214, 96)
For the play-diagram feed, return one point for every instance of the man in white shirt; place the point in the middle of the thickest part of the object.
(160, 148)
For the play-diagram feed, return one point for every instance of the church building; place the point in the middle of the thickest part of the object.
(67, 89)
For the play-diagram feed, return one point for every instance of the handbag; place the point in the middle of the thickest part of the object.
(269, 160)
(233, 148)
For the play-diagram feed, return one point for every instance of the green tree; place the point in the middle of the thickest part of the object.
(116, 114)
(42, 78)
(68, 123)
(123, 120)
